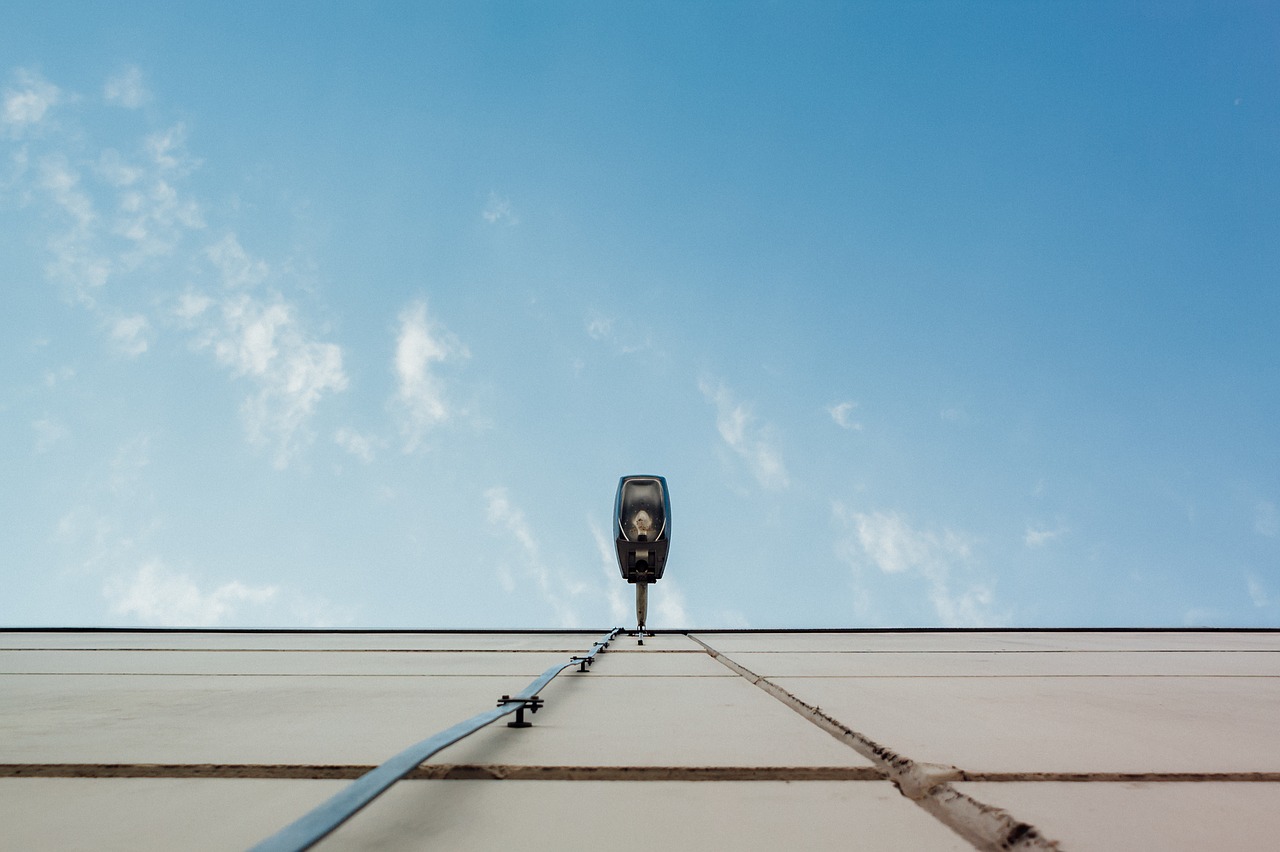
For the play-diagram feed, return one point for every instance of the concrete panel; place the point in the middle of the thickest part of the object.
(588, 720)
(661, 722)
(570, 643)
(995, 640)
(351, 663)
(1078, 724)
(1169, 816)
(195, 815)
(1013, 664)
(662, 642)
(282, 663)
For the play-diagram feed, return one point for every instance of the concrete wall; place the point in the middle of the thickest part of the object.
(939, 740)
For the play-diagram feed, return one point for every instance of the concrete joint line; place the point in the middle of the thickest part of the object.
(442, 772)
(928, 785)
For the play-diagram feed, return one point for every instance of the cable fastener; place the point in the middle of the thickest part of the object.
(532, 704)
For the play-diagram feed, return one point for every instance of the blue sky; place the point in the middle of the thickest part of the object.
(352, 315)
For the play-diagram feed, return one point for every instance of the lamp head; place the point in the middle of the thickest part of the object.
(642, 531)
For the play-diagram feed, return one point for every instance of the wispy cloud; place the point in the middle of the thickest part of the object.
(626, 337)
(129, 335)
(666, 599)
(158, 595)
(744, 436)
(887, 542)
(1257, 592)
(126, 89)
(27, 100)
(48, 433)
(420, 394)
(620, 609)
(260, 338)
(498, 209)
(842, 414)
(361, 446)
(1038, 536)
(237, 269)
(599, 326)
(553, 587)
(125, 230)
(76, 261)
(108, 537)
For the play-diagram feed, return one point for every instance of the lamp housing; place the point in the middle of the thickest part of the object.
(642, 527)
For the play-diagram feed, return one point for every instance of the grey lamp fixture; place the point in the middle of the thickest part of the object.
(642, 515)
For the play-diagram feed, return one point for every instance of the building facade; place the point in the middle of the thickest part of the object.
(907, 740)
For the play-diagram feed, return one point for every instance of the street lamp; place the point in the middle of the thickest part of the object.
(642, 514)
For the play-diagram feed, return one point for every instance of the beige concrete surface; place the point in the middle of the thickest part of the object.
(515, 665)
(1169, 816)
(569, 643)
(1078, 724)
(222, 814)
(588, 720)
(995, 640)
(282, 663)
(991, 701)
(1020, 664)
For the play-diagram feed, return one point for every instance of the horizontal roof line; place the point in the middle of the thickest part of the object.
(595, 630)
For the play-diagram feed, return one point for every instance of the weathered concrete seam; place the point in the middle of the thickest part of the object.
(988, 828)
(453, 771)
(444, 771)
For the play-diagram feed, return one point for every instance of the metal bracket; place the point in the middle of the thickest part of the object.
(583, 662)
(532, 704)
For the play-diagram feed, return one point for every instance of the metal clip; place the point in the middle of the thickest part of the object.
(531, 703)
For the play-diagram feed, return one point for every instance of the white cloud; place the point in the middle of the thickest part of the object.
(126, 89)
(894, 546)
(129, 335)
(117, 171)
(122, 214)
(29, 100)
(1201, 617)
(238, 270)
(48, 433)
(118, 214)
(1040, 536)
(954, 415)
(1266, 519)
(666, 605)
(191, 305)
(262, 340)
(620, 609)
(498, 209)
(259, 337)
(1257, 592)
(152, 215)
(842, 414)
(553, 587)
(53, 378)
(360, 446)
(168, 150)
(887, 542)
(626, 338)
(737, 426)
(158, 595)
(420, 397)
(599, 326)
(76, 261)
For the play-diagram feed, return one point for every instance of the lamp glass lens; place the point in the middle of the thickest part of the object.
(641, 513)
